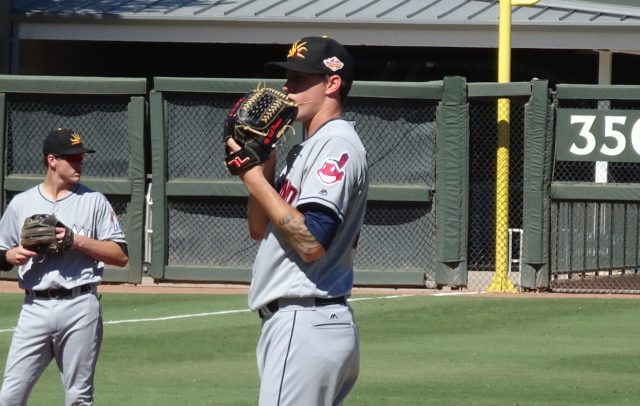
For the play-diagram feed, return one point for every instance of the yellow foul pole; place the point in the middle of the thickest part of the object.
(501, 281)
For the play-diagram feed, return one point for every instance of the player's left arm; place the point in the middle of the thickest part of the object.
(107, 243)
(107, 251)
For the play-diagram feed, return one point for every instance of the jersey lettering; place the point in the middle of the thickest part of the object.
(81, 231)
(288, 192)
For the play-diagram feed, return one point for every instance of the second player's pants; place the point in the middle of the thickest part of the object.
(67, 330)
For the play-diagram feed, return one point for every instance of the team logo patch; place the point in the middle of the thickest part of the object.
(297, 50)
(75, 138)
(332, 170)
(333, 63)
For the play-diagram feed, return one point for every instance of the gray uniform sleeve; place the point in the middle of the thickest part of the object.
(9, 229)
(331, 176)
(108, 227)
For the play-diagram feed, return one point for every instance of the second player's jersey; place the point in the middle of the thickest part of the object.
(86, 212)
(329, 169)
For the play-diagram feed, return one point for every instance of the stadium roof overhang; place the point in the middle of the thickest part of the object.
(550, 24)
(607, 26)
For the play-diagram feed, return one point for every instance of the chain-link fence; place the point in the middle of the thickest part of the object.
(109, 114)
(594, 243)
(208, 229)
(209, 232)
(399, 135)
(202, 231)
(482, 191)
(194, 125)
(100, 120)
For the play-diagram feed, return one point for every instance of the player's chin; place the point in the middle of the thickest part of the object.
(304, 115)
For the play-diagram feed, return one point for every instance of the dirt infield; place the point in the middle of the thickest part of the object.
(148, 286)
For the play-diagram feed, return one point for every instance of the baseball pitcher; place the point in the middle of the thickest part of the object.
(308, 219)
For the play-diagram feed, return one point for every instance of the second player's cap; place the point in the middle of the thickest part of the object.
(63, 141)
(319, 55)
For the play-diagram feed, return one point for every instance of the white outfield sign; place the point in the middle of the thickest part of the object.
(597, 135)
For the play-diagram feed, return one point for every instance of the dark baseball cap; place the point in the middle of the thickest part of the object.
(319, 55)
(63, 141)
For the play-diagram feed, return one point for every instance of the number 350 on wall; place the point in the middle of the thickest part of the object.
(598, 135)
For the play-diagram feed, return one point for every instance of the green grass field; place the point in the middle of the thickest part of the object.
(418, 350)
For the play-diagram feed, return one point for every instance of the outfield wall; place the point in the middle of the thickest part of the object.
(433, 208)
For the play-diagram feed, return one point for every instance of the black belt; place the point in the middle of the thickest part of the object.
(60, 293)
(272, 307)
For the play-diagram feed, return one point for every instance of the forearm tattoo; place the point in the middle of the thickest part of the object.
(297, 233)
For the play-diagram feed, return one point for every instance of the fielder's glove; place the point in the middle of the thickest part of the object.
(256, 123)
(39, 235)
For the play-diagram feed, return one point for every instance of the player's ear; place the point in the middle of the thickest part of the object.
(333, 85)
(47, 160)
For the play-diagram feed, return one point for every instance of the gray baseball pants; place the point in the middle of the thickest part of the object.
(308, 356)
(67, 330)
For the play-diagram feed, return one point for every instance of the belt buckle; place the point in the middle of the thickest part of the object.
(56, 295)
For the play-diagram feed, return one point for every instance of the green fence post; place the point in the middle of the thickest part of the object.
(137, 124)
(158, 189)
(5, 37)
(536, 181)
(136, 121)
(3, 141)
(452, 183)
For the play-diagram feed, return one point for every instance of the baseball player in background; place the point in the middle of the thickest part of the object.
(309, 218)
(61, 316)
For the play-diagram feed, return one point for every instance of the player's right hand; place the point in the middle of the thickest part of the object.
(19, 255)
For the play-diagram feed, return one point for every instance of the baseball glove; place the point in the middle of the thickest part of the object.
(39, 235)
(257, 121)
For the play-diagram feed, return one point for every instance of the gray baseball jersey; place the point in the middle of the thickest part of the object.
(86, 212)
(331, 170)
(78, 319)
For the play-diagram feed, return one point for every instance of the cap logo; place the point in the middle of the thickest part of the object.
(297, 50)
(75, 138)
(333, 63)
